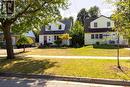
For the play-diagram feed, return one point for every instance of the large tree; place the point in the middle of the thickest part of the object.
(94, 12)
(28, 14)
(82, 15)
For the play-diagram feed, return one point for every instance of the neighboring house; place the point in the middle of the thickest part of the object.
(99, 31)
(14, 38)
(31, 35)
(50, 33)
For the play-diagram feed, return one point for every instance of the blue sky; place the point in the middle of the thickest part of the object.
(77, 5)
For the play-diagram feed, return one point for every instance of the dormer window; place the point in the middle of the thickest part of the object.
(60, 27)
(49, 28)
(108, 24)
(95, 24)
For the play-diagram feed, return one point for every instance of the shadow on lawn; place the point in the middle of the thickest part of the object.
(26, 66)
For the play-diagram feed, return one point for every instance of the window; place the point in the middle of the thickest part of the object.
(96, 36)
(108, 24)
(100, 36)
(49, 28)
(60, 27)
(95, 24)
(56, 37)
(92, 36)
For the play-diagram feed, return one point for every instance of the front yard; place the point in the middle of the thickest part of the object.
(84, 51)
(68, 67)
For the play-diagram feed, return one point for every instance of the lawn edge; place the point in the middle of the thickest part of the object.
(69, 78)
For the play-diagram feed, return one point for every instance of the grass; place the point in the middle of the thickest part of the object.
(83, 51)
(68, 67)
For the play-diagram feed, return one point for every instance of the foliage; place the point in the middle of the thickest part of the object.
(121, 17)
(94, 12)
(77, 34)
(24, 40)
(65, 37)
(29, 14)
(83, 15)
(58, 42)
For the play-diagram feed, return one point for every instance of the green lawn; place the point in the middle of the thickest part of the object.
(83, 51)
(68, 67)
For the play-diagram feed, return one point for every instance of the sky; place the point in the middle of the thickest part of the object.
(77, 5)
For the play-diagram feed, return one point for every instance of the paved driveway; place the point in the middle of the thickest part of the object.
(24, 82)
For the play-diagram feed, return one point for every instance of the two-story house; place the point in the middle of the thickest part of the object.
(99, 31)
(51, 32)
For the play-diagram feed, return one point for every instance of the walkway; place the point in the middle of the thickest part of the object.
(24, 82)
(72, 57)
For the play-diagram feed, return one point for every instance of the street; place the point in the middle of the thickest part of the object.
(24, 82)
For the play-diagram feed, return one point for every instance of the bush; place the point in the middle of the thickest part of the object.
(58, 42)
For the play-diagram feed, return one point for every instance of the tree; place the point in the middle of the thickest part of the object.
(58, 42)
(24, 41)
(121, 17)
(28, 14)
(94, 12)
(82, 15)
(65, 37)
(77, 34)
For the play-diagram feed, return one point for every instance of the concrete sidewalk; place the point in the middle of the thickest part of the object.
(73, 57)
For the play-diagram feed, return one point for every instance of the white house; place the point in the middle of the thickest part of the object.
(15, 37)
(99, 31)
(51, 32)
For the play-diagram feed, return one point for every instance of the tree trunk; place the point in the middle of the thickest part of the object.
(24, 48)
(7, 36)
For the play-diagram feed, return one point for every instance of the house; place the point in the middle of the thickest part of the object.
(31, 35)
(99, 31)
(50, 33)
(15, 37)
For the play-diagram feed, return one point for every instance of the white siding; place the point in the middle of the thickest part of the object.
(106, 39)
(102, 22)
(50, 39)
(41, 39)
(55, 27)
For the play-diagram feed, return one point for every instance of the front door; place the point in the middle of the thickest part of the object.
(45, 39)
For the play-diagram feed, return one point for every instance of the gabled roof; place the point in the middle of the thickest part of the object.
(68, 24)
(30, 34)
(94, 30)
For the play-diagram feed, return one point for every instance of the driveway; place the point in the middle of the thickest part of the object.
(24, 82)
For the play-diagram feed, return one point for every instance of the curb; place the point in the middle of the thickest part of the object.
(73, 79)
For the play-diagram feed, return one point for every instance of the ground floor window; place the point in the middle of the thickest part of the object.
(56, 37)
(96, 36)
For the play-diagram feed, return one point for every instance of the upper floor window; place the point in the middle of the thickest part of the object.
(95, 24)
(108, 24)
(49, 28)
(60, 27)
